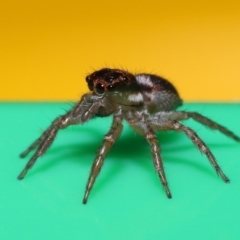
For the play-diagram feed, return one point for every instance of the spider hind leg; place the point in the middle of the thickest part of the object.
(201, 146)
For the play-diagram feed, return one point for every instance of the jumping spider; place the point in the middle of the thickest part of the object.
(146, 101)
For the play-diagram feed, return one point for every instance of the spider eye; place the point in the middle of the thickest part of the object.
(111, 88)
(99, 88)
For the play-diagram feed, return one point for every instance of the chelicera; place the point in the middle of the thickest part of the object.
(146, 101)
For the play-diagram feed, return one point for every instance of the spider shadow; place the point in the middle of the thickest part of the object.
(127, 149)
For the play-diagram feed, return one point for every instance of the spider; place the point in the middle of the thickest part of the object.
(146, 101)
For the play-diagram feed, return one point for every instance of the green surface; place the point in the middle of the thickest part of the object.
(127, 201)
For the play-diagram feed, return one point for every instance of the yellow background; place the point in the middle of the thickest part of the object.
(48, 46)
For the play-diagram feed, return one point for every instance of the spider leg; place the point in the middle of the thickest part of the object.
(80, 113)
(107, 143)
(142, 127)
(33, 146)
(213, 125)
(157, 160)
(182, 115)
(36, 143)
(44, 142)
(200, 145)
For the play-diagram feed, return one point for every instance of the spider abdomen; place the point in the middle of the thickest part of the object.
(158, 93)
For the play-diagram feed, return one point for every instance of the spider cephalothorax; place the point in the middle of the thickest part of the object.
(107, 79)
(146, 101)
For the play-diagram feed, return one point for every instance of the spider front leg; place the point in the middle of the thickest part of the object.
(108, 141)
(80, 113)
(33, 146)
(44, 142)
